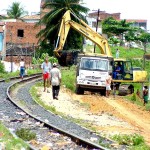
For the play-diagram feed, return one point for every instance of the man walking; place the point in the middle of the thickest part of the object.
(46, 67)
(55, 81)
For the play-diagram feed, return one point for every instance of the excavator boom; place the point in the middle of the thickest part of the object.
(82, 28)
(93, 69)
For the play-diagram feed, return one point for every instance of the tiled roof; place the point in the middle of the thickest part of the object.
(101, 12)
(136, 20)
(31, 17)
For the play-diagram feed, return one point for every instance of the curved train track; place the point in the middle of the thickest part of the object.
(52, 131)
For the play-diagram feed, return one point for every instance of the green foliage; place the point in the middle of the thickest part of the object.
(130, 140)
(128, 53)
(147, 106)
(113, 41)
(2, 68)
(144, 37)
(68, 78)
(36, 97)
(33, 71)
(11, 143)
(16, 144)
(34, 61)
(15, 10)
(53, 18)
(130, 36)
(45, 47)
(75, 40)
(42, 58)
(140, 147)
(25, 134)
(111, 27)
(133, 98)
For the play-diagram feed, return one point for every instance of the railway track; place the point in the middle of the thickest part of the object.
(20, 111)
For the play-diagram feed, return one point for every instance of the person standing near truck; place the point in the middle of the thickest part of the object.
(46, 67)
(108, 84)
(145, 95)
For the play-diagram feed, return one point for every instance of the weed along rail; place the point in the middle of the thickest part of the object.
(57, 128)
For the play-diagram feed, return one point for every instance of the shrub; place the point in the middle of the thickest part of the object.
(25, 134)
(133, 98)
(2, 68)
(148, 106)
(130, 140)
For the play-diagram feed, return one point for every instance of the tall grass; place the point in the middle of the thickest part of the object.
(7, 75)
(134, 141)
(10, 142)
(68, 77)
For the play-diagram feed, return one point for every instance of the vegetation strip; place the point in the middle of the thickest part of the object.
(61, 130)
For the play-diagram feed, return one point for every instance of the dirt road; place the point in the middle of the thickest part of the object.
(135, 115)
(108, 115)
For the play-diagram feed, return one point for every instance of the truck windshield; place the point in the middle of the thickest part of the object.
(94, 64)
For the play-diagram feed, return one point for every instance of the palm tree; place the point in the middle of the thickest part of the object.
(15, 11)
(52, 19)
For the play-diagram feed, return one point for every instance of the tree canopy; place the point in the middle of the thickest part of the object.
(16, 11)
(52, 19)
(112, 27)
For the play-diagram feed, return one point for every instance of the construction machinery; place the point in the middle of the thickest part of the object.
(93, 68)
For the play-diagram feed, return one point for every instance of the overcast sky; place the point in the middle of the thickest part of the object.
(129, 9)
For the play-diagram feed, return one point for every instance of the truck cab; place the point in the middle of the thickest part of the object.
(91, 74)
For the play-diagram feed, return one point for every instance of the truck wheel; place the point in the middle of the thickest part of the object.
(79, 90)
(103, 92)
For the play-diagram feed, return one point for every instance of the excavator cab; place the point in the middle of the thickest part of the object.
(122, 70)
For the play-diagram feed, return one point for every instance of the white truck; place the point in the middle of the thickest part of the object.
(92, 72)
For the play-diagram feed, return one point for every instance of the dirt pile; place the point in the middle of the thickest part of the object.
(108, 115)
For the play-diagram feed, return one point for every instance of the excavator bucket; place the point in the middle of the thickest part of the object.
(125, 89)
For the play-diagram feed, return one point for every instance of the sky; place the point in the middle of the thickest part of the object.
(129, 9)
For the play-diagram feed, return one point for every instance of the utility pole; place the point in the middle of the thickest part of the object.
(11, 61)
(97, 25)
(144, 55)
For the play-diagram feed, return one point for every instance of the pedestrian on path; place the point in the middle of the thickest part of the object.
(22, 68)
(117, 53)
(46, 67)
(55, 81)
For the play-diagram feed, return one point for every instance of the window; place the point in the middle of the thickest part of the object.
(94, 64)
(20, 33)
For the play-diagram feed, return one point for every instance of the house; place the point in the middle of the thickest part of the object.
(18, 34)
(138, 23)
(93, 17)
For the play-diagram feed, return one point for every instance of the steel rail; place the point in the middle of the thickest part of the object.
(18, 77)
(73, 136)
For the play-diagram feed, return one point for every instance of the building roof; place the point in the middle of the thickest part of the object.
(102, 12)
(36, 17)
(136, 20)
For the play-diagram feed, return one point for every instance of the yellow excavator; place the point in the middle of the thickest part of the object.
(93, 68)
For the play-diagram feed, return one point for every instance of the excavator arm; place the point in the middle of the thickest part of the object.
(82, 28)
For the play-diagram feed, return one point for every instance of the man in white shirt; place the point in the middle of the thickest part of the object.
(55, 81)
